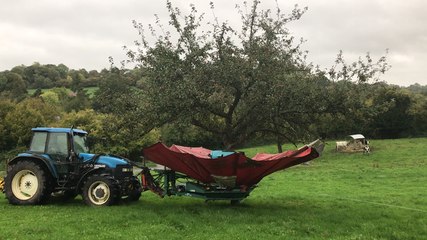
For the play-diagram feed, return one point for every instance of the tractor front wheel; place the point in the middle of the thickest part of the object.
(135, 190)
(27, 183)
(100, 191)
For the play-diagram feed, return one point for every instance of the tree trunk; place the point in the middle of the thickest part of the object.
(279, 145)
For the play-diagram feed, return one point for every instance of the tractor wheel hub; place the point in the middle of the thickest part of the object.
(99, 193)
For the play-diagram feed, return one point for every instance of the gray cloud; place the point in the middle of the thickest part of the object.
(357, 27)
(82, 34)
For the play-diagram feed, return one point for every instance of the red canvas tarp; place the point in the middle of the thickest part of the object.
(197, 163)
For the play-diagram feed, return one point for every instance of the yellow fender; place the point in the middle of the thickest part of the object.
(1, 184)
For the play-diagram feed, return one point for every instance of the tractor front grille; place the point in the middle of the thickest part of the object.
(122, 172)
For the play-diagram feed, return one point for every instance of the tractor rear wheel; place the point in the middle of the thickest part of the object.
(27, 183)
(100, 190)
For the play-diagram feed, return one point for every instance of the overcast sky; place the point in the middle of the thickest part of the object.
(84, 33)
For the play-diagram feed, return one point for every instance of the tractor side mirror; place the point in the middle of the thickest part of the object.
(73, 156)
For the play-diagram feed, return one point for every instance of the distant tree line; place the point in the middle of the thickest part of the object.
(221, 89)
(39, 76)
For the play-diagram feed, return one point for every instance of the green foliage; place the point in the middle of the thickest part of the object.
(417, 88)
(115, 95)
(418, 113)
(12, 86)
(86, 119)
(188, 135)
(17, 119)
(125, 129)
(6, 106)
(376, 110)
(7, 155)
(50, 97)
(362, 71)
(64, 99)
(28, 114)
(49, 76)
(120, 138)
(90, 91)
(78, 101)
(396, 120)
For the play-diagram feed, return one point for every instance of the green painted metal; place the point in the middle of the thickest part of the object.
(212, 192)
(167, 180)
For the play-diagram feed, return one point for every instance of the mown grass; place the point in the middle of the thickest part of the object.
(90, 91)
(338, 196)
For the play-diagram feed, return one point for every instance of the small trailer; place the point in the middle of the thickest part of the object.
(355, 143)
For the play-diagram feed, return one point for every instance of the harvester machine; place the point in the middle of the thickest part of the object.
(214, 175)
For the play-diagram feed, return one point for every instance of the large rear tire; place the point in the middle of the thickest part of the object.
(27, 183)
(100, 190)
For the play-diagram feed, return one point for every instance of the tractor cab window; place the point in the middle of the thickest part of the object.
(38, 143)
(58, 144)
(80, 145)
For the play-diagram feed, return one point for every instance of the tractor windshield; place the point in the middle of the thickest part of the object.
(80, 145)
(38, 143)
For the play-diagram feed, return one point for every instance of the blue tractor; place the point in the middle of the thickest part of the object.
(58, 164)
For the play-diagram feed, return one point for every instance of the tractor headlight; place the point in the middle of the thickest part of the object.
(129, 169)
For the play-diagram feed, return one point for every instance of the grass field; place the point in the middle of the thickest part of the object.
(338, 196)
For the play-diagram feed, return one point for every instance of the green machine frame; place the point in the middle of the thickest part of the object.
(166, 182)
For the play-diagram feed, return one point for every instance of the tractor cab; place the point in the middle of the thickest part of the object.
(61, 148)
(59, 144)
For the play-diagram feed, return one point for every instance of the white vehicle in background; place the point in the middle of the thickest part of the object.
(355, 143)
